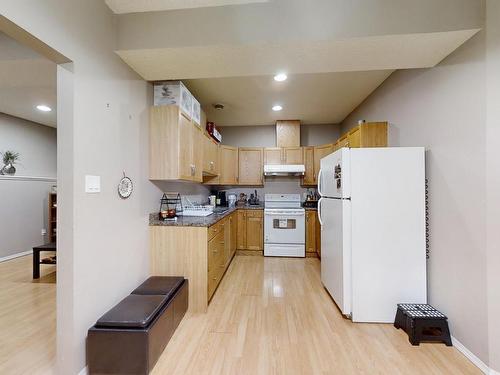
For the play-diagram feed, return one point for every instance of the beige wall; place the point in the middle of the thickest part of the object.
(443, 109)
(265, 136)
(102, 130)
(493, 178)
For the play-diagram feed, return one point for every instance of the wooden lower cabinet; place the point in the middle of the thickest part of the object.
(200, 254)
(255, 230)
(250, 230)
(318, 235)
(241, 229)
(311, 231)
(313, 234)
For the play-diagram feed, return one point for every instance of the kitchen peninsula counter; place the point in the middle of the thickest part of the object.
(199, 221)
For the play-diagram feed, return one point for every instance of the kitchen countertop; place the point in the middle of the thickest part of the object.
(198, 221)
(311, 208)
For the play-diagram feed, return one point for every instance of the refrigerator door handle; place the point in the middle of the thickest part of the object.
(319, 209)
(319, 183)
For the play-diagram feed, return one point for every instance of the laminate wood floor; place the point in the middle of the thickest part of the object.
(269, 316)
(27, 318)
(272, 316)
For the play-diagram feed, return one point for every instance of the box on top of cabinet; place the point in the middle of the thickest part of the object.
(196, 113)
(173, 92)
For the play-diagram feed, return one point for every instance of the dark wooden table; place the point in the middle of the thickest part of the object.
(36, 257)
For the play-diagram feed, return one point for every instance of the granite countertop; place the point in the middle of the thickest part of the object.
(311, 208)
(197, 221)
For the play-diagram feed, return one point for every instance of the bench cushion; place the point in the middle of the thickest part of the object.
(160, 285)
(134, 311)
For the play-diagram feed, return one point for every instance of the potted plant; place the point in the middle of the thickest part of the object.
(9, 159)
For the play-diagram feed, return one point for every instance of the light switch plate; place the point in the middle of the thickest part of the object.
(92, 184)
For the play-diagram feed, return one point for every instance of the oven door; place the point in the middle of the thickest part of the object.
(284, 226)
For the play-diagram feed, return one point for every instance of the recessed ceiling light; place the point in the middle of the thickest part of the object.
(277, 108)
(43, 108)
(280, 77)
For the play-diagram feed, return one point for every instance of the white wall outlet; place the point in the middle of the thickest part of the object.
(44, 232)
(92, 184)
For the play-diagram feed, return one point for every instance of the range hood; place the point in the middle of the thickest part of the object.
(284, 170)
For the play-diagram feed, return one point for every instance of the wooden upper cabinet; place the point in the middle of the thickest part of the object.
(343, 141)
(210, 156)
(354, 138)
(288, 133)
(373, 134)
(228, 164)
(369, 134)
(311, 231)
(254, 230)
(319, 153)
(293, 155)
(197, 152)
(186, 149)
(273, 155)
(283, 155)
(174, 145)
(309, 175)
(251, 165)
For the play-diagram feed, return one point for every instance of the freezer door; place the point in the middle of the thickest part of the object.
(336, 251)
(334, 175)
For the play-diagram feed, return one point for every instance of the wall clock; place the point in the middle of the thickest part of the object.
(125, 187)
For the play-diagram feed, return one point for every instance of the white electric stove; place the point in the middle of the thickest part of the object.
(284, 226)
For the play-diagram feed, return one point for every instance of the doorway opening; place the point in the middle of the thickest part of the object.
(29, 210)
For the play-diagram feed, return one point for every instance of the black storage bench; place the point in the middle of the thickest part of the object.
(130, 337)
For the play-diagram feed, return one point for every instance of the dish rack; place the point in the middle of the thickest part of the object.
(197, 210)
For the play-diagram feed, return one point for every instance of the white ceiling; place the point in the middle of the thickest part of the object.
(135, 6)
(26, 80)
(323, 98)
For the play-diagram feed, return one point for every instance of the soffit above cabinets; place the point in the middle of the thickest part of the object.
(137, 6)
(386, 52)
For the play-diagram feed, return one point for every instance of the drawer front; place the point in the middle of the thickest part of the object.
(214, 278)
(216, 251)
(214, 230)
(255, 213)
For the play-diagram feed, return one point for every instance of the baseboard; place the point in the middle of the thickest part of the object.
(250, 252)
(84, 371)
(472, 357)
(14, 256)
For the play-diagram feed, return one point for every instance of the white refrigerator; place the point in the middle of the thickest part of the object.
(372, 216)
